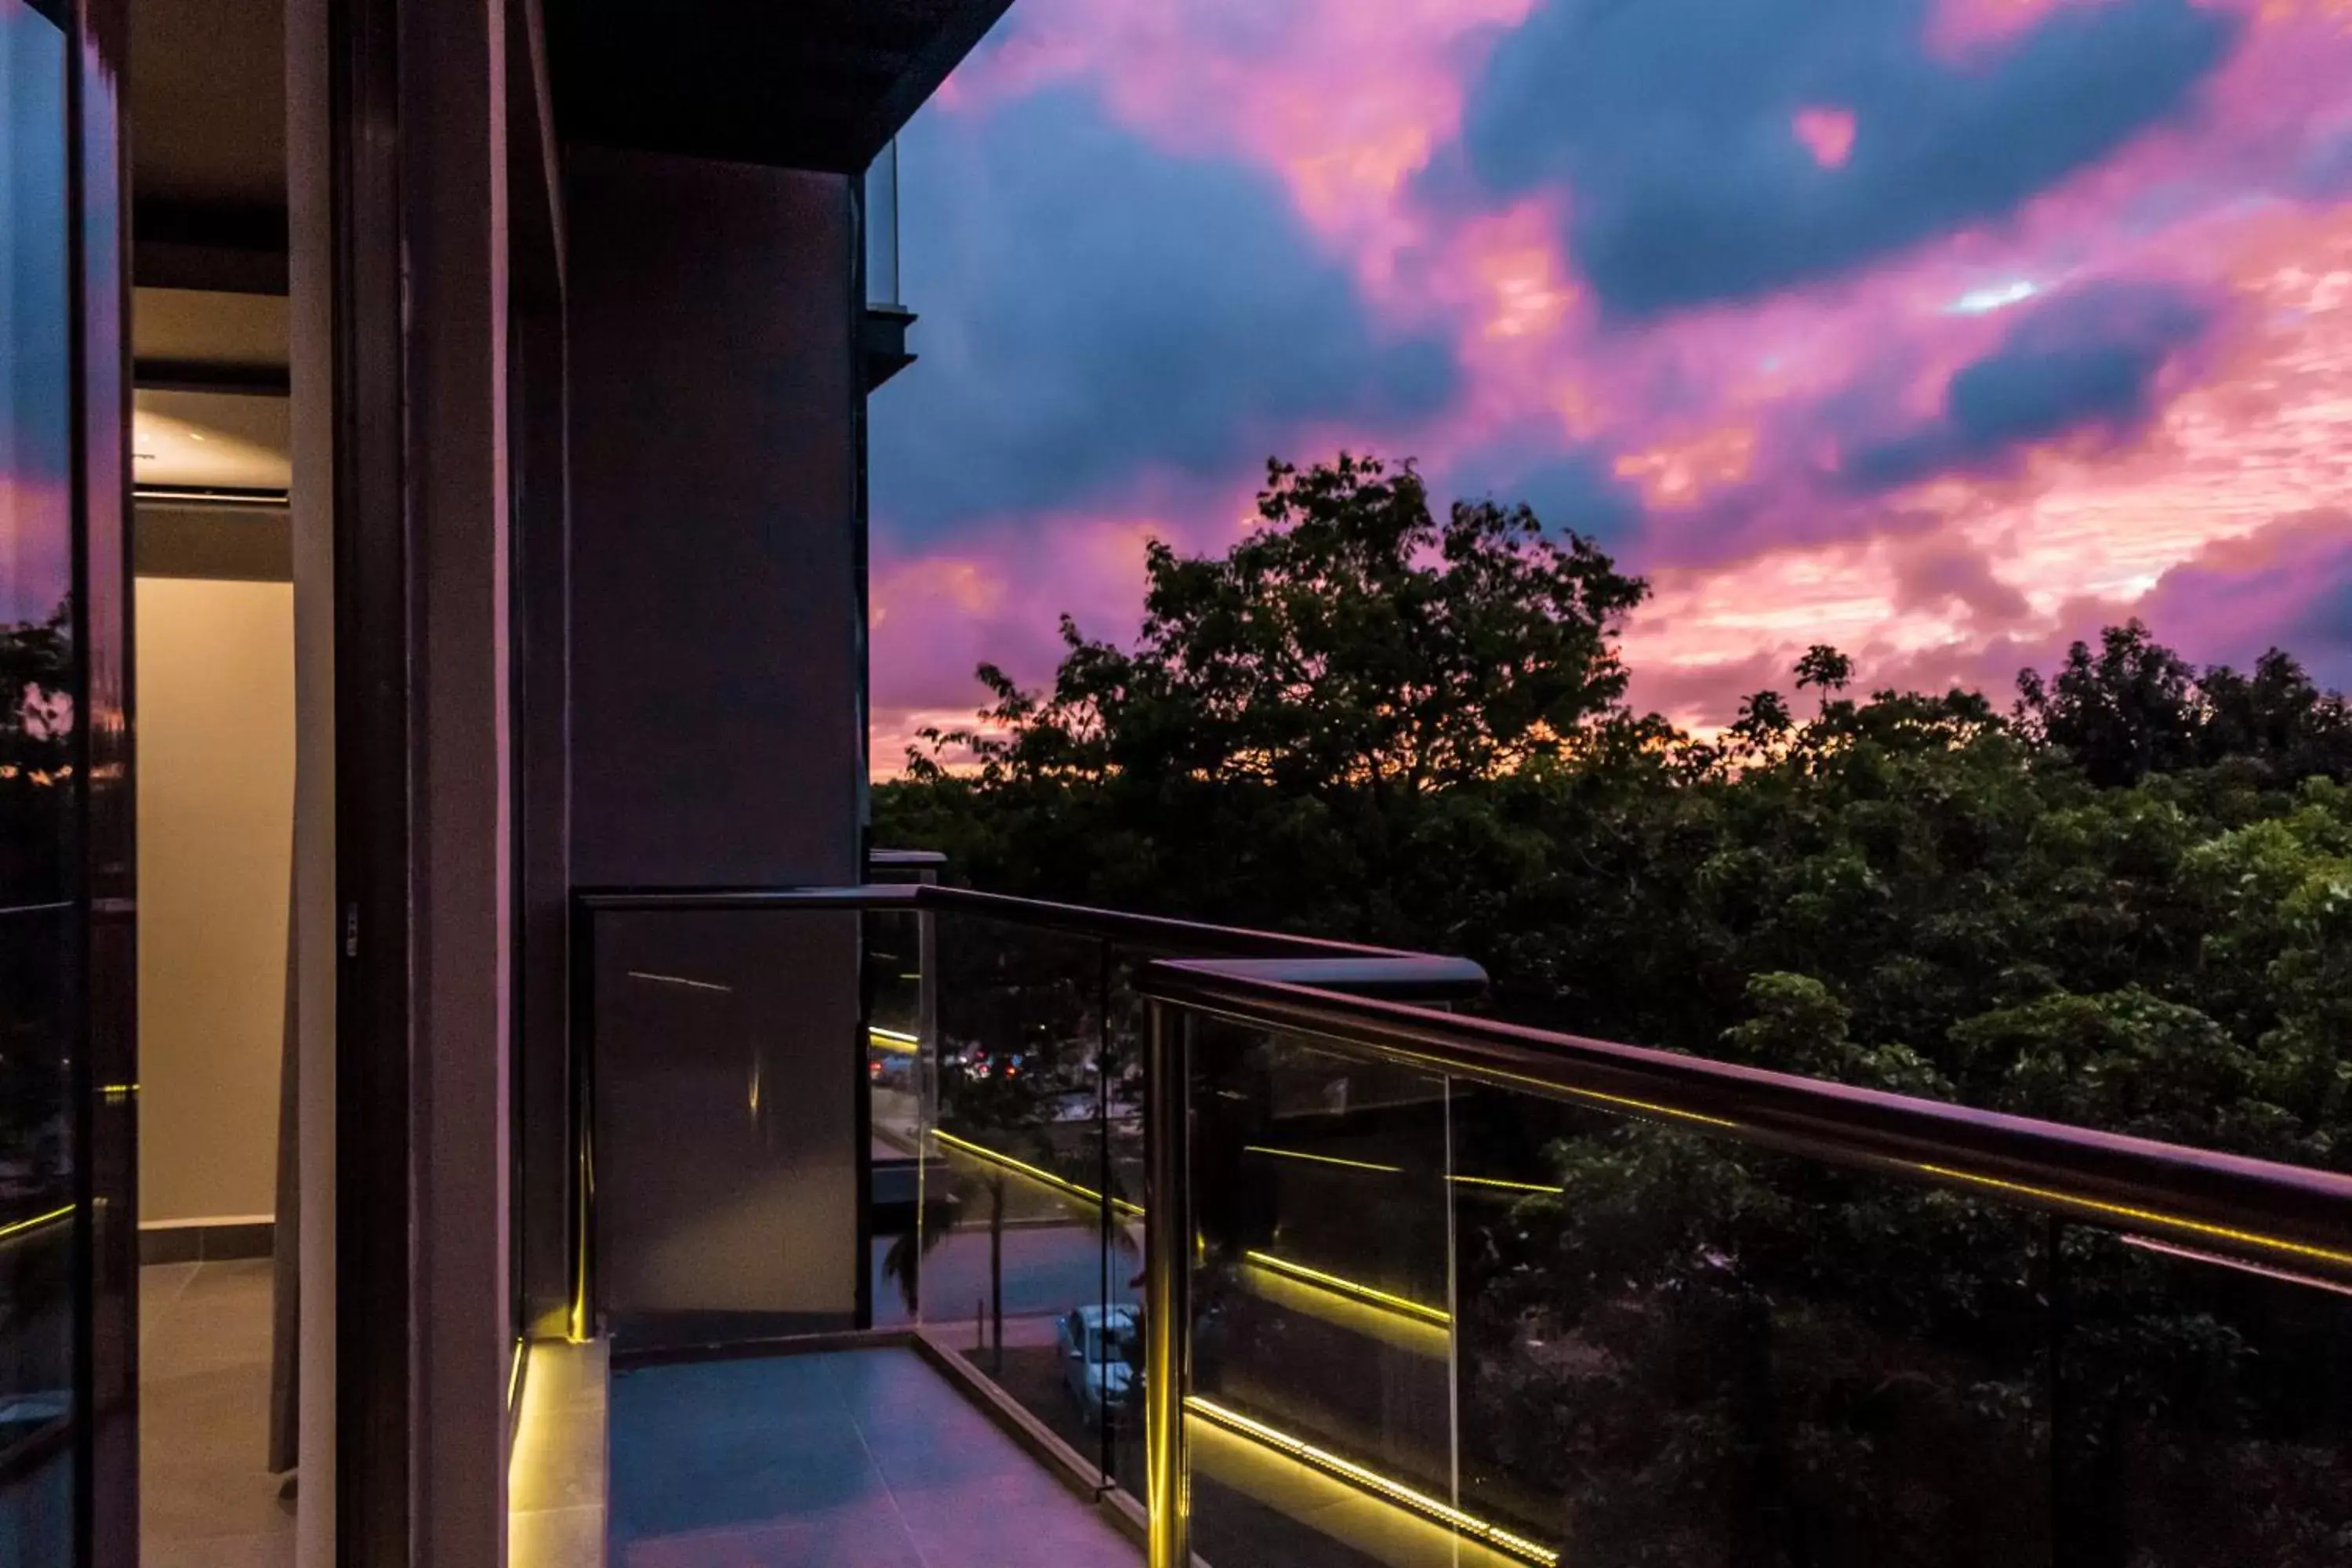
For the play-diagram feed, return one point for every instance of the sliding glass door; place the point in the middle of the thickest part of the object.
(40, 1149)
(67, 1308)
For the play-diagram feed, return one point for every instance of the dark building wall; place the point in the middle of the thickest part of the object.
(718, 644)
(717, 717)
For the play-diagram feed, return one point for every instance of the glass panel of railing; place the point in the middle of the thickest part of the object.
(1127, 1022)
(2203, 1409)
(1027, 1264)
(724, 1127)
(882, 229)
(901, 1087)
(1319, 1414)
(1675, 1349)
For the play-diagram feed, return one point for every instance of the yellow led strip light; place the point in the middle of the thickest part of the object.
(981, 1151)
(1351, 1288)
(2146, 1216)
(1373, 1481)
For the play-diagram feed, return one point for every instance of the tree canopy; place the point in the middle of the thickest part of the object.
(2121, 899)
(1354, 641)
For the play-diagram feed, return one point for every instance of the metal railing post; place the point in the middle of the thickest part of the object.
(926, 1059)
(1167, 1287)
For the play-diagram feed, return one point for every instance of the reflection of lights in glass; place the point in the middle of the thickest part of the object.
(1982, 301)
(679, 980)
(1022, 1167)
(1553, 1187)
(36, 1223)
(2189, 1254)
(1371, 1481)
(1322, 1158)
(1350, 1287)
(575, 1324)
(883, 1039)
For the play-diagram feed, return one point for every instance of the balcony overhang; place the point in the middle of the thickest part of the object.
(822, 85)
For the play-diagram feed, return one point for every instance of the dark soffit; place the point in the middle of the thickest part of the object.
(822, 84)
(208, 104)
(207, 112)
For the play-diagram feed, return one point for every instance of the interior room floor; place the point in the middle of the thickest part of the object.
(205, 1495)
(854, 1458)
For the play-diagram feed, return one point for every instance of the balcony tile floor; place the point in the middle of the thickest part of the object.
(854, 1458)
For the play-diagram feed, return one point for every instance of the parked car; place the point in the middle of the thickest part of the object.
(1100, 1348)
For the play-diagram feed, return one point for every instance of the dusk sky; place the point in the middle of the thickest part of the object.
(1944, 331)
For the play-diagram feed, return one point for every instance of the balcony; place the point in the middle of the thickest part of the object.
(1181, 1239)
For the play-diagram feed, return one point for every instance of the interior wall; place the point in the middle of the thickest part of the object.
(215, 779)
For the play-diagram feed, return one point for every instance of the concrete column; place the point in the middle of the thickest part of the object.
(310, 321)
(716, 619)
(454, 184)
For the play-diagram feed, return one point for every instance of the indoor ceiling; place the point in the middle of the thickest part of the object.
(207, 128)
(215, 442)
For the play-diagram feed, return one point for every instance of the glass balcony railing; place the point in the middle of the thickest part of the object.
(1295, 1265)
(1536, 1300)
(881, 208)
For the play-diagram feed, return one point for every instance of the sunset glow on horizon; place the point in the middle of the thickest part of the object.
(1864, 321)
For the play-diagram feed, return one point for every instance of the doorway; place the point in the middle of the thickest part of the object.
(213, 621)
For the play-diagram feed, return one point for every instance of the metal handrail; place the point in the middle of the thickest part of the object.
(2254, 1211)
(1163, 931)
(714, 901)
(1305, 960)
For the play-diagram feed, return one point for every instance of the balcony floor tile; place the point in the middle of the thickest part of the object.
(851, 1456)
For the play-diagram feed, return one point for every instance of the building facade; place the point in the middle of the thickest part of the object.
(521, 352)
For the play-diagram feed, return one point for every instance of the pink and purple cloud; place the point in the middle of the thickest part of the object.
(1941, 329)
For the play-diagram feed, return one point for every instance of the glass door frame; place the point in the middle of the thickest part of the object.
(107, 1070)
